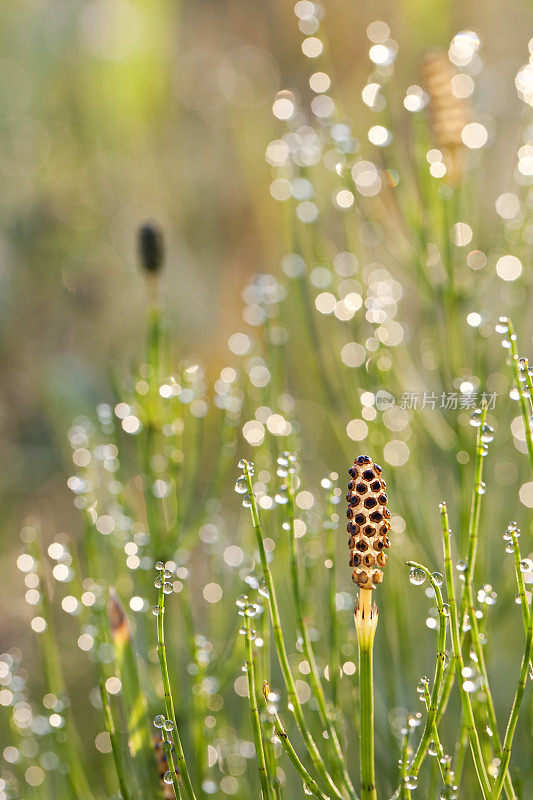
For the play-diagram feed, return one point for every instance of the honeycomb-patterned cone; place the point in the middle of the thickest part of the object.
(368, 522)
(447, 113)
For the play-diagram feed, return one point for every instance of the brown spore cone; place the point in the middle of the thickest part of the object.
(368, 522)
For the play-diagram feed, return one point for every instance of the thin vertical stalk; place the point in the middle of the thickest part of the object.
(403, 792)
(517, 702)
(473, 735)
(115, 749)
(169, 703)
(279, 729)
(266, 790)
(444, 765)
(167, 746)
(430, 726)
(307, 647)
(281, 650)
(366, 619)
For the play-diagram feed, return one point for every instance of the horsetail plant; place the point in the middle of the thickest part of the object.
(368, 527)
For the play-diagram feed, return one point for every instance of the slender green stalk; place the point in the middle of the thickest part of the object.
(139, 735)
(281, 650)
(169, 703)
(461, 749)
(403, 792)
(309, 782)
(115, 749)
(473, 531)
(467, 603)
(266, 790)
(466, 702)
(167, 746)
(314, 675)
(517, 702)
(443, 760)
(525, 403)
(366, 619)
(430, 725)
(520, 582)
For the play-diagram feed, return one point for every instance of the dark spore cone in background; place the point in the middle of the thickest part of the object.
(151, 248)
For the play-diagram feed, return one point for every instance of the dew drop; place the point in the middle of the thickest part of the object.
(475, 419)
(437, 578)
(417, 576)
(168, 588)
(168, 725)
(155, 611)
(502, 325)
(263, 588)
(159, 721)
(432, 749)
(159, 565)
(242, 601)
(167, 574)
(481, 487)
(241, 485)
(247, 501)
(487, 433)
(526, 565)
(167, 777)
(158, 583)
(411, 781)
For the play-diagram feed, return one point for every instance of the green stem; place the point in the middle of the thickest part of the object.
(365, 623)
(309, 782)
(439, 672)
(466, 702)
(444, 765)
(167, 746)
(169, 703)
(115, 749)
(403, 792)
(266, 791)
(281, 650)
(513, 717)
(307, 647)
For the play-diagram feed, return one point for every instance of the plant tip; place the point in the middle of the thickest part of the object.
(151, 248)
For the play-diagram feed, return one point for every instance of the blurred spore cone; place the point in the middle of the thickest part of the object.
(151, 248)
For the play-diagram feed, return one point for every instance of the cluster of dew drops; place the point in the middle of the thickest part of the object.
(449, 791)
(162, 582)
(163, 724)
(285, 467)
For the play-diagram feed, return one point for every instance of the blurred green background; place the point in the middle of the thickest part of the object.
(117, 111)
